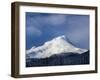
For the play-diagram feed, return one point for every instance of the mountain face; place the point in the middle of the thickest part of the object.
(59, 60)
(56, 46)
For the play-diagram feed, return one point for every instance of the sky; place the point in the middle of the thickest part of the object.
(42, 27)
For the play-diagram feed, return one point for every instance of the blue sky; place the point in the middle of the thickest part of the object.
(41, 27)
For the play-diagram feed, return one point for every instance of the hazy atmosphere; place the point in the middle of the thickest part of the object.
(41, 27)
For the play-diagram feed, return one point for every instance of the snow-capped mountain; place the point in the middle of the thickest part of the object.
(56, 46)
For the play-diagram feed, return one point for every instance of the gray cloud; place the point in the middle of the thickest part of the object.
(33, 31)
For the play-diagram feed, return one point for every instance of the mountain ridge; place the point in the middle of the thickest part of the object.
(59, 59)
(56, 46)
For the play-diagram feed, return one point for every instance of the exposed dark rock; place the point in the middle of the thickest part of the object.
(62, 59)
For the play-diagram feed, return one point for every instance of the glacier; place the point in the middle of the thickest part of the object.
(56, 46)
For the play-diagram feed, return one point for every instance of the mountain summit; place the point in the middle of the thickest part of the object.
(55, 46)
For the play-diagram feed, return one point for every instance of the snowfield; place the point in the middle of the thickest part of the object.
(55, 46)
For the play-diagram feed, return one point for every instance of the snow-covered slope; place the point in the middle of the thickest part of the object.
(57, 45)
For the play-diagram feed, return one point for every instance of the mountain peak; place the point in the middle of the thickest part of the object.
(57, 45)
(61, 37)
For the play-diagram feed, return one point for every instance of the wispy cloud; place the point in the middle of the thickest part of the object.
(45, 26)
(33, 31)
(55, 20)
